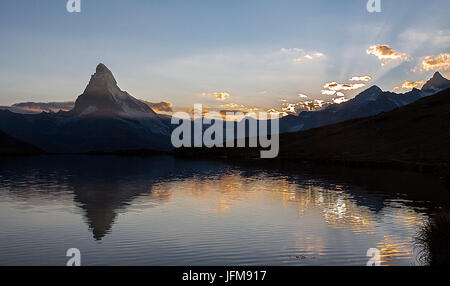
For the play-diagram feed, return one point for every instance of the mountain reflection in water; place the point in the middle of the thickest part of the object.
(165, 211)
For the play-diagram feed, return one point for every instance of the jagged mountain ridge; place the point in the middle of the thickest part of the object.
(103, 97)
(104, 118)
(416, 134)
(436, 83)
(368, 103)
(107, 119)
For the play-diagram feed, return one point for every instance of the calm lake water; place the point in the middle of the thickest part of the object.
(165, 211)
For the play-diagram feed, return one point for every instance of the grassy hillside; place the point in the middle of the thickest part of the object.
(415, 135)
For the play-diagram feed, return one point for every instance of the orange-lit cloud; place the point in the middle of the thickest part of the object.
(386, 54)
(335, 89)
(38, 107)
(304, 104)
(297, 107)
(406, 85)
(334, 86)
(361, 78)
(234, 107)
(162, 106)
(221, 96)
(230, 111)
(440, 62)
(190, 111)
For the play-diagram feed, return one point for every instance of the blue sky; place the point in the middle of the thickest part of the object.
(260, 53)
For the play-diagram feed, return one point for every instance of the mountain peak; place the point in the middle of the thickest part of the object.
(374, 88)
(102, 81)
(103, 97)
(101, 68)
(437, 75)
(369, 94)
(437, 82)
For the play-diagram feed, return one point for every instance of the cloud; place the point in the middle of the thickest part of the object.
(335, 89)
(386, 54)
(334, 86)
(292, 50)
(309, 57)
(235, 107)
(289, 108)
(221, 96)
(38, 107)
(406, 85)
(314, 56)
(361, 78)
(310, 105)
(301, 95)
(297, 107)
(190, 111)
(232, 105)
(230, 111)
(440, 62)
(340, 100)
(162, 106)
(328, 92)
(301, 55)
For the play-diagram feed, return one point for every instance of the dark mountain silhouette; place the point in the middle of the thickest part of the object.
(370, 102)
(104, 119)
(436, 83)
(12, 146)
(103, 98)
(417, 134)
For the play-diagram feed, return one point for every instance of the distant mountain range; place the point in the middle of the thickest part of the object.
(416, 136)
(106, 119)
(370, 102)
(39, 107)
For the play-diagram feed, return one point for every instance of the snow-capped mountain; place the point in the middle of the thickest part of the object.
(370, 102)
(104, 118)
(103, 97)
(436, 84)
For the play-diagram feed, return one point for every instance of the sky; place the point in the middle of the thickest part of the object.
(234, 54)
